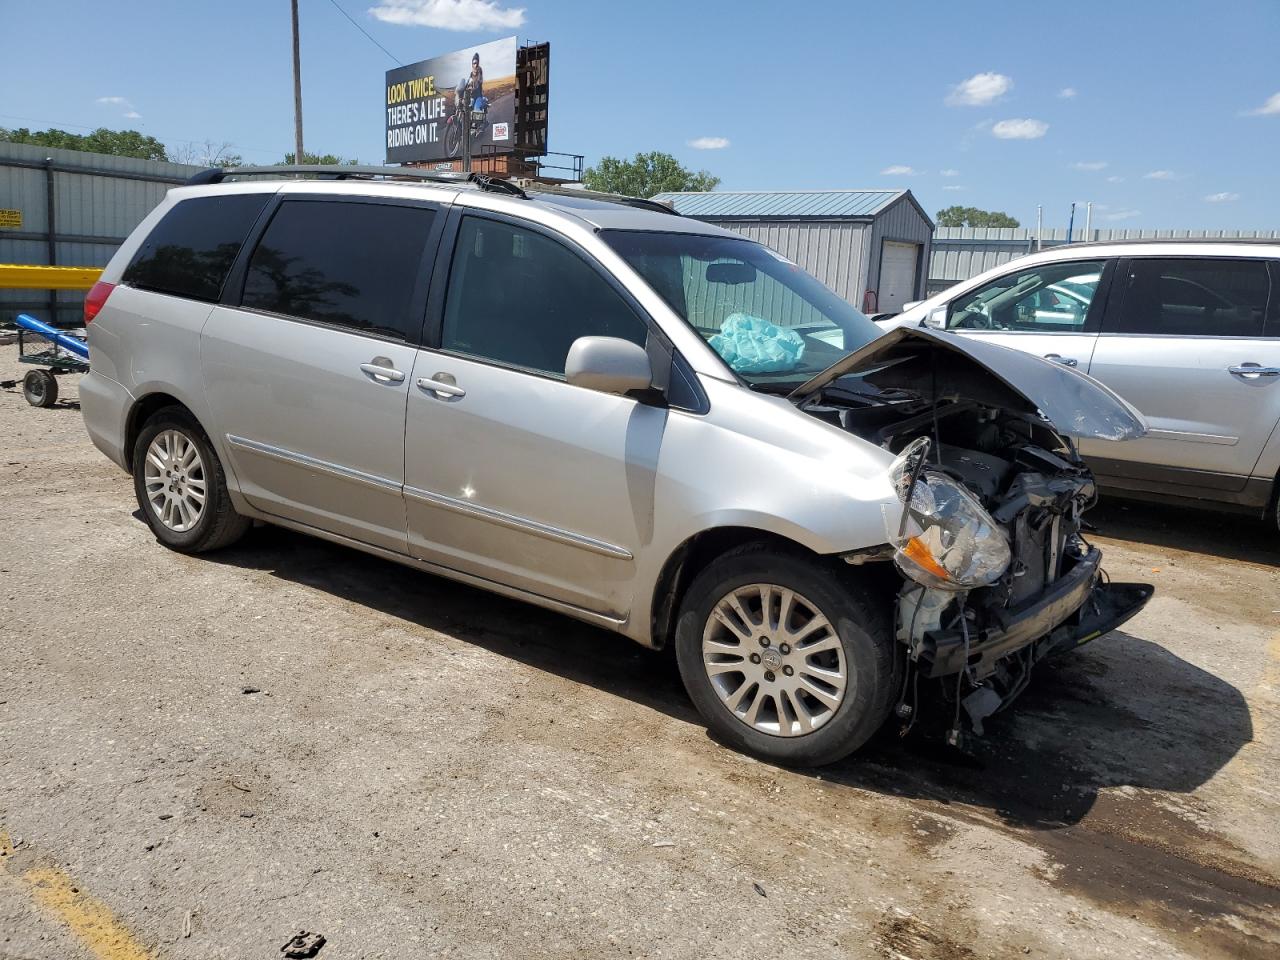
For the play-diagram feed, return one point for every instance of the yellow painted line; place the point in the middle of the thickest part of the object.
(26, 276)
(89, 919)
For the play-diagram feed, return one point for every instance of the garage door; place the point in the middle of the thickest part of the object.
(897, 275)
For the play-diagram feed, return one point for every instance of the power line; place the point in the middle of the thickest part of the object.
(366, 33)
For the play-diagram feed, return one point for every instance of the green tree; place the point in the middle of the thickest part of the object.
(118, 143)
(325, 159)
(646, 175)
(973, 217)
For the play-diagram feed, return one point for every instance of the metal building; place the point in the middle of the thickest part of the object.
(71, 208)
(869, 246)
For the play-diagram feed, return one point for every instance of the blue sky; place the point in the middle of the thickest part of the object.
(1164, 114)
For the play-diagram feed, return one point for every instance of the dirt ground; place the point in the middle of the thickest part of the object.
(200, 757)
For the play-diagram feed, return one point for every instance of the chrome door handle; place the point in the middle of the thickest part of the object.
(382, 371)
(1065, 361)
(1252, 371)
(441, 388)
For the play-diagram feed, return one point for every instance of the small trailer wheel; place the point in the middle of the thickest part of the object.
(40, 387)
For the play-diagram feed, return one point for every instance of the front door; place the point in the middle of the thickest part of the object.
(512, 474)
(1050, 310)
(307, 376)
(1179, 341)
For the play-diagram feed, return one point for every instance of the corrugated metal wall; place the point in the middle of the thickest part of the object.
(833, 251)
(901, 221)
(94, 213)
(963, 252)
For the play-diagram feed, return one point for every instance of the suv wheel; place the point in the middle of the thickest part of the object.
(181, 487)
(784, 658)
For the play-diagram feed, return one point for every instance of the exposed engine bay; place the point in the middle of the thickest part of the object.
(1028, 584)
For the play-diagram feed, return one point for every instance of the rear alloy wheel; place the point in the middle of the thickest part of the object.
(786, 656)
(181, 487)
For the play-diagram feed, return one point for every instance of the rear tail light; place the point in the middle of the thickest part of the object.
(96, 299)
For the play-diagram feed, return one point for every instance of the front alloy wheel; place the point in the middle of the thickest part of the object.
(787, 655)
(774, 660)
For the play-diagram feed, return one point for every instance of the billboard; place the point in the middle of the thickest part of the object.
(424, 121)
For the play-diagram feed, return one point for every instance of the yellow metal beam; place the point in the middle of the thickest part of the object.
(23, 276)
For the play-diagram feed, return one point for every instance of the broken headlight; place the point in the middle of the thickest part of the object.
(945, 539)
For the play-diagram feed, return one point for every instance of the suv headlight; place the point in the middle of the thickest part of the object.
(945, 539)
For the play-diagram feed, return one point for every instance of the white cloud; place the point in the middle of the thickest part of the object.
(953, 186)
(979, 89)
(449, 14)
(1160, 175)
(128, 112)
(950, 173)
(1115, 179)
(1122, 215)
(900, 170)
(1091, 165)
(709, 143)
(1067, 93)
(1020, 129)
(1223, 197)
(1269, 109)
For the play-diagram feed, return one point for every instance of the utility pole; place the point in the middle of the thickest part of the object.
(297, 87)
(1088, 221)
(466, 135)
(1039, 226)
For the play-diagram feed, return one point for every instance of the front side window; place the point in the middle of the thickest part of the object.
(344, 263)
(192, 248)
(521, 298)
(1049, 298)
(770, 321)
(1187, 297)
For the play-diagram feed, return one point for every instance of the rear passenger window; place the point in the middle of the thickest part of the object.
(191, 249)
(345, 263)
(1185, 297)
(521, 298)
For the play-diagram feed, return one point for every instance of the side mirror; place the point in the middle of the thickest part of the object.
(608, 365)
(936, 318)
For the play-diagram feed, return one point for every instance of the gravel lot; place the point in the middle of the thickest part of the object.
(200, 757)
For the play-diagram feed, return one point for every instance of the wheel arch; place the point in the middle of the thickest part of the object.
(143, 409)
(695, 553)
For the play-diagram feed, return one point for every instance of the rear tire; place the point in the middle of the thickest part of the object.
(840, 660)
(40, 387)
(181, 487)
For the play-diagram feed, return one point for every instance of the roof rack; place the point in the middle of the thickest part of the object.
(357, 172)
(640, 202)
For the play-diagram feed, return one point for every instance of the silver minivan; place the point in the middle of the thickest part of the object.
(601, 407)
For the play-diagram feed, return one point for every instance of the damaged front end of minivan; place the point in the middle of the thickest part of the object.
(997, 573)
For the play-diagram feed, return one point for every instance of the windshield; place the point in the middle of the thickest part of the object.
(771, 322)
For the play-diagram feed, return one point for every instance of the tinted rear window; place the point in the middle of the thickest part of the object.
(1188, 297)
(343, 263)
(191, 250)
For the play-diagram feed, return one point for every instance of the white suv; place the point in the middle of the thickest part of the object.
(1186, 331)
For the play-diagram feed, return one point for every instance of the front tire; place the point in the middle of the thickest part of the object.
(181, 487)
(785, 656)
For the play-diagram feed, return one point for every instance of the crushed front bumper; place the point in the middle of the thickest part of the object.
(1071, 611)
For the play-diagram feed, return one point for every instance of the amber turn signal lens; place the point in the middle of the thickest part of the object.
(919, 554)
